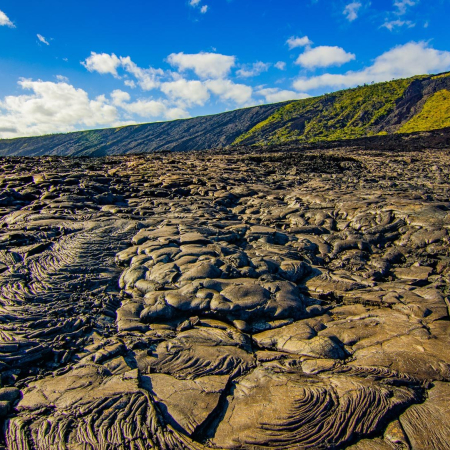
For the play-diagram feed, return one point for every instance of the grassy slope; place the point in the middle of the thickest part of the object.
(434, 115)
(342, 115)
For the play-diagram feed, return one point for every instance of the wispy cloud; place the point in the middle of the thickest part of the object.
(196, 4)
(391, 25)
(403, 5)
(42, 39)
(351, 11)
(253, 70)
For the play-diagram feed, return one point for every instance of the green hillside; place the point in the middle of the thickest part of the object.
(354, 113)
(434, 115)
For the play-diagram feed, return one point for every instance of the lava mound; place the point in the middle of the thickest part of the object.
(214, 300)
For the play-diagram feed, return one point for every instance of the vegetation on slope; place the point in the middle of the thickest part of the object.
(434, 115)
(345, 114)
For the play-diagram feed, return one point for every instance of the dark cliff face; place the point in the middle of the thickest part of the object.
(200, 133)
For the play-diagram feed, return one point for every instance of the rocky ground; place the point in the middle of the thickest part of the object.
(209, 300)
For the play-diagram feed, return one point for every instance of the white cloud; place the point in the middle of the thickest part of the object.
(60, 107)
(324, 56)
(176, 113)
(402, 61)
(146, 108)
(402, 5)
(119, 97)
(4, 20)
(42, 39)
(205, 65)
(130, 83)
(398, 23)
(149, 108)
(204, 9)
(192, 92)
(294, 42)
(280, 65)
(180, 93)
(351, 11)
(148, 79)
(62, 78)
(194, 2)
(51, 107)
(227, 90)
(275, 95)
(102, 63)
(253, 70)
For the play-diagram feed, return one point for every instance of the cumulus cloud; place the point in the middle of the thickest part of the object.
(402, 61)
(192, 92)
(351, 11)
(391, 25)
(274, 95)
(205, 65)
(119, 97)
(280, 65)
(148, 79)
(195, 92)
(58, 107)
(149, 108)
(62, 78)
(180, 93)
(102, 63)
(227, 90)
(204, 9)
(324, 56)
(194, 2)
(4, 20)
(294, 42)
(253, 70)
(51, 107)
(42, 39)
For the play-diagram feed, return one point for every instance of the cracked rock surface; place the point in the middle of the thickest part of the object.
(214, 300)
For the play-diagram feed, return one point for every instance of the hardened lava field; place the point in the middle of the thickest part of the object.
(214, 300)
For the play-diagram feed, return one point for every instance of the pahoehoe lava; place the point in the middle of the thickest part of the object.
(254, 299)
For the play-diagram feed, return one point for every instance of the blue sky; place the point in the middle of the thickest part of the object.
(71, 65)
